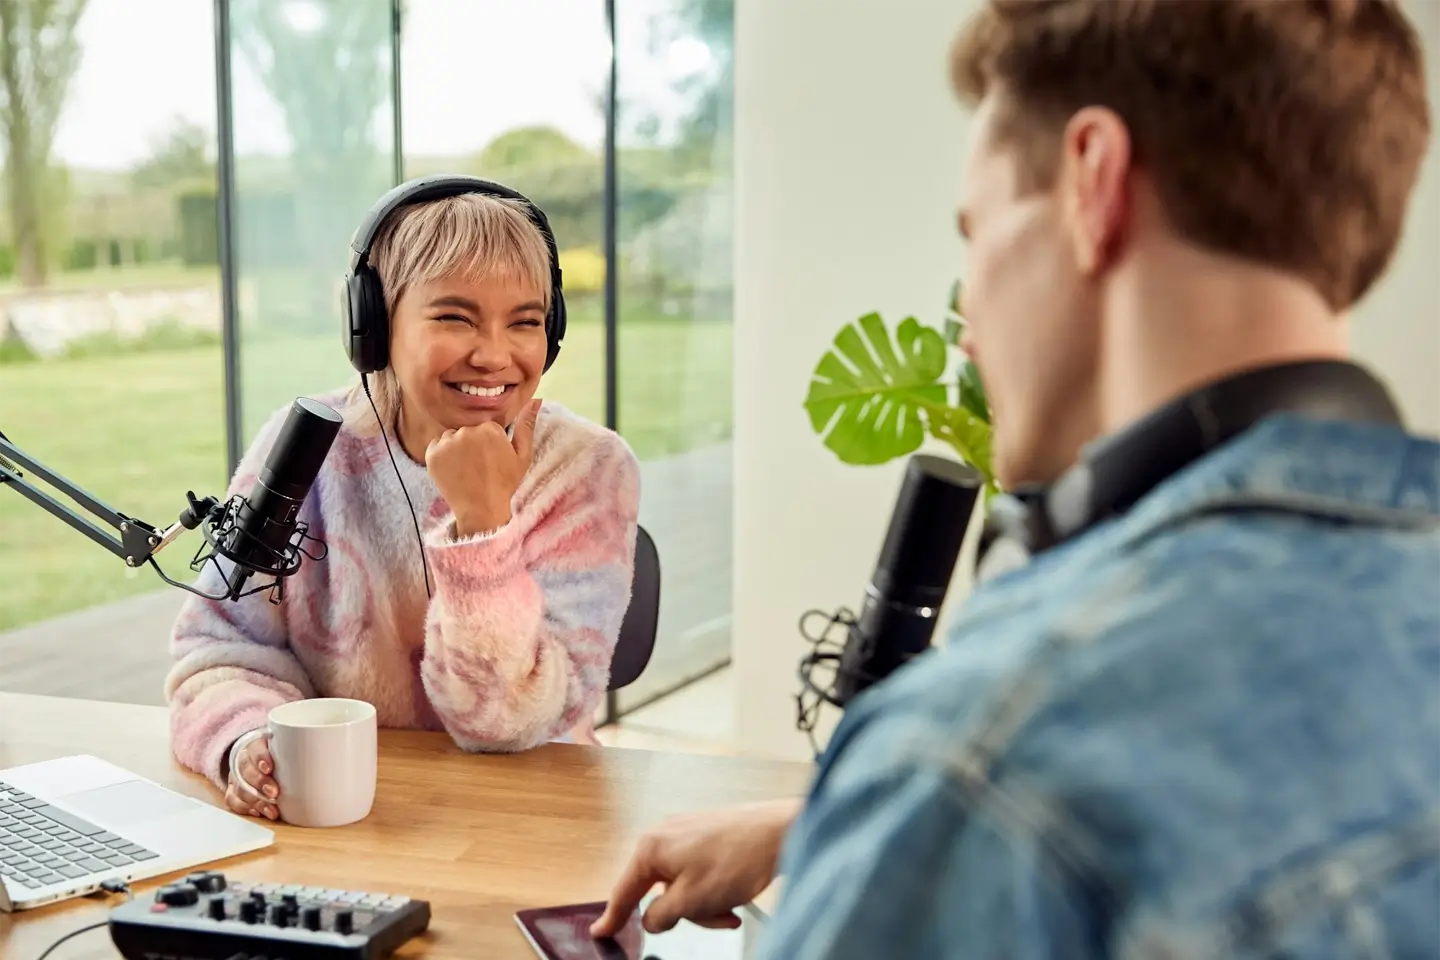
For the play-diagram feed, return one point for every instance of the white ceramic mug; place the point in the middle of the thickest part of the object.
(325, 760)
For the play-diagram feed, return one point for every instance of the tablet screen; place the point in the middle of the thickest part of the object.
(563, 933)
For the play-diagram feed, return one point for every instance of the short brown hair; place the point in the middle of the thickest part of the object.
(1288, 132)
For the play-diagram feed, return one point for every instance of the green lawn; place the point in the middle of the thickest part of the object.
(135, 276)
(139, 429)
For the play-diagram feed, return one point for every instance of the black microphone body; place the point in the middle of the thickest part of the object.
(922, 545)
(259, 539)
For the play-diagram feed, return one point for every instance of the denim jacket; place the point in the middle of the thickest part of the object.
(1208, 728)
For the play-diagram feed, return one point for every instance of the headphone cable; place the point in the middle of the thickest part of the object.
(419, 538)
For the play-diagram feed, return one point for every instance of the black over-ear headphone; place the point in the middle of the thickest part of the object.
(366, 329)
(1116, 471)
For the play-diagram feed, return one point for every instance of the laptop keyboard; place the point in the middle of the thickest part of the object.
(41, 844)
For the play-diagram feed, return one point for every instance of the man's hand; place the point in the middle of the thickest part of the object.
(711, 863)
(477, 470)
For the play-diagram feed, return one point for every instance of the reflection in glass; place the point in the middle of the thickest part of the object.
(675, 167)
(314, 148)
(110, 360)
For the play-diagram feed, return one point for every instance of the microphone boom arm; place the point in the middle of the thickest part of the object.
(135, 541)
(262, 534)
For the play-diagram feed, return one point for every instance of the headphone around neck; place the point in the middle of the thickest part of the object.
(1115, 472)
(366, 322)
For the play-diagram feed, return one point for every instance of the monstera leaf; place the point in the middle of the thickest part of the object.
(972, 391)
(868, 396)
(873, 401)
(968, 435)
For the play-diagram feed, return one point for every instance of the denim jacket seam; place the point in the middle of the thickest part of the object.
(999, 722)
(1023, 813)
(1334, 881)
(1298, 504)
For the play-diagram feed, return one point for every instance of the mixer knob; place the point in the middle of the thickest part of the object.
(178, 895)
(209, 881)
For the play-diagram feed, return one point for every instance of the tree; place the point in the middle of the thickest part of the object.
(532, 146)
(39, 53)
(326, 63)
(561, 176)
(704, 120)
(180, 154)
(712, 92)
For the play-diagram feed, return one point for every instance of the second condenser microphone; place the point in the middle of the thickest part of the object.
(902, 602)
(264, 522)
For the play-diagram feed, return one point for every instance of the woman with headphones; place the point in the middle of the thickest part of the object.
(476, 576)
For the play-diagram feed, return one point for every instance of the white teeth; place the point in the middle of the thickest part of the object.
(475, 391)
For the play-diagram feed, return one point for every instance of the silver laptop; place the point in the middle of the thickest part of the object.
(69, 825)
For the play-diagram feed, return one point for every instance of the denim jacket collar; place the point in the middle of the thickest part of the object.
(1362, 473)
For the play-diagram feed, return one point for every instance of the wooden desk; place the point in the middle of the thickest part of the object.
(478, 836)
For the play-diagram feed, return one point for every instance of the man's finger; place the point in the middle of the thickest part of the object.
(724, 921)
(639, 876)
(669, 908)
(524, 437)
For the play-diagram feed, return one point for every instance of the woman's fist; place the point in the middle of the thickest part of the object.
(477, 470)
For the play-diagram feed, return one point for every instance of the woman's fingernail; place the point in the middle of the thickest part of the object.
(271, 792)
(264, 767)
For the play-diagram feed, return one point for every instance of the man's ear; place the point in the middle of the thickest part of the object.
(1095, 184)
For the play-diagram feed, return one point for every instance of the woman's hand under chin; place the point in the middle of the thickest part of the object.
(477, 470)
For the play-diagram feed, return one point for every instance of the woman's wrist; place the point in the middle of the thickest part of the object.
(476, 523)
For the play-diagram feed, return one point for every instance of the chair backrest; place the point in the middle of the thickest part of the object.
(637, 631)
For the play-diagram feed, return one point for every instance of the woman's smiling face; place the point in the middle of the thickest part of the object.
(467, 351)
(467, 284)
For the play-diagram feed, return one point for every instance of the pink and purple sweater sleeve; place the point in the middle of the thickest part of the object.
(524, 621)
(233, 662)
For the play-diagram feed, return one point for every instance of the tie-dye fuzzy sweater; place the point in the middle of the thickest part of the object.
(514, 648)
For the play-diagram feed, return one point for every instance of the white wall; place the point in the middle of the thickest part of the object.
(848, 159)
(1397, 327)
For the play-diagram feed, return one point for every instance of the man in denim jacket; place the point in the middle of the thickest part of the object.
(1207, 723)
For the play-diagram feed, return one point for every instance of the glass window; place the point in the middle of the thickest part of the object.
(314, 145)
(675, 172)
(112, 354)
(110, 348)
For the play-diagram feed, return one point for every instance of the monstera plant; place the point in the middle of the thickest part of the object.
(874, 396)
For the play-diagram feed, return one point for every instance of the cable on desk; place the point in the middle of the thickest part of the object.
(73, 933)
(109, 886)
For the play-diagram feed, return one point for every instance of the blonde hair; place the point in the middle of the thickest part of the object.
(474, 236)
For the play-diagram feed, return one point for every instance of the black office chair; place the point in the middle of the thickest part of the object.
(637, 630)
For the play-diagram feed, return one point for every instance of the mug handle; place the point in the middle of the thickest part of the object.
(235, 751)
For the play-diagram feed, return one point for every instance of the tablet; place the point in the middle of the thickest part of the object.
(563, 933)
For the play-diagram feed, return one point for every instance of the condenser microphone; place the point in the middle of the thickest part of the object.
(261, 533)
(903, 598)
(902, 601)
